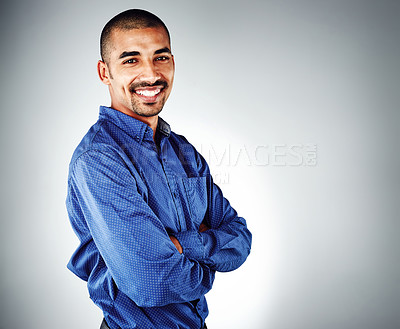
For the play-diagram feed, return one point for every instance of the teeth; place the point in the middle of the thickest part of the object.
(148, 93)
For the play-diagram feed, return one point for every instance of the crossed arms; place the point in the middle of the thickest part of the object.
(152, 266)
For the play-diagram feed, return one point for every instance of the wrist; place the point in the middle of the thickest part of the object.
(176, 243)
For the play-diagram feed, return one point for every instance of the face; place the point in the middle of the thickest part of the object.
(139, 72)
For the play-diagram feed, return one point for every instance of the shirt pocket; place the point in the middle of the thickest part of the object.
(196, 193)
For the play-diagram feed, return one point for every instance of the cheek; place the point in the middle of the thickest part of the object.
(124, 85)
(168, 72)
(124, 78)
(171, 75)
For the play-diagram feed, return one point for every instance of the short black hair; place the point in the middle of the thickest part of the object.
(128, 20)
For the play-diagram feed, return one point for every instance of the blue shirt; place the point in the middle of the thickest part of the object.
(126, 195)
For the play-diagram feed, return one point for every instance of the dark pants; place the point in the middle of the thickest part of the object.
(105, 326)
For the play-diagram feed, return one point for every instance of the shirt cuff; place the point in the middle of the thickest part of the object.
(192, 244)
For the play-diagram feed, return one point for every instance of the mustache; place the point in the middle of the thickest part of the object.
(158, 83)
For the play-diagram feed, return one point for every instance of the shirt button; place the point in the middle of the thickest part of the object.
(174, 194)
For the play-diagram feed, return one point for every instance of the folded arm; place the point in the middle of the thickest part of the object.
(223, 241)
(134, 244)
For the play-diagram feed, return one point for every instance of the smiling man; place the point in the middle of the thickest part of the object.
(152, 225)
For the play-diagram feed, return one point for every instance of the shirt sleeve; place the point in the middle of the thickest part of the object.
(226, 245)
(134, 244)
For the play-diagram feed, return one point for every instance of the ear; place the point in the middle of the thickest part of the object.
(103, 72)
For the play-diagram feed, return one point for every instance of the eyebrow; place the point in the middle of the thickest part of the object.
(162, 50)
(128, 54)
(136, 53)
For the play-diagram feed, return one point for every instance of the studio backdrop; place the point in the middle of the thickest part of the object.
(294, 104)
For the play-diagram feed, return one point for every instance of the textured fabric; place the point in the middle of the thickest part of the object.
(105, 326)
(126, 196)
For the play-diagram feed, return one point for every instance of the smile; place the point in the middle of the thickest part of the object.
(148, 92)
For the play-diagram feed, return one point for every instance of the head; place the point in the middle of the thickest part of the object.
(136, 63)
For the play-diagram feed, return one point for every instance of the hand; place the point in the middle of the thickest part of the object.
(203, 227)
(176, 243)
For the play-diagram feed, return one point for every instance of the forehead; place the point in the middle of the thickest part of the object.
(145, 40)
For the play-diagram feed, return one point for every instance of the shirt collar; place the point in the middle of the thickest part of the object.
(133, 127)
(163, 127)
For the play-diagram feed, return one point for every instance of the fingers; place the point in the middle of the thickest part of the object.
(203, 227)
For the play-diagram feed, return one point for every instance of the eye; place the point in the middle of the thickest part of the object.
(162, 58)
(130, 61)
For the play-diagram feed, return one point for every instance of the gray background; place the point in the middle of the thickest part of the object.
(255, 80)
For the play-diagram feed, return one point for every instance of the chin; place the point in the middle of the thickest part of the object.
(147, 113)
(147, 110)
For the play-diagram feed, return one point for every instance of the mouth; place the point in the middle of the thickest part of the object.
(149, 94)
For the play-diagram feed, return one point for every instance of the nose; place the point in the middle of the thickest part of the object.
(149, 72)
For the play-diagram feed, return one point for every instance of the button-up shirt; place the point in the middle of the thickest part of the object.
(127, 194)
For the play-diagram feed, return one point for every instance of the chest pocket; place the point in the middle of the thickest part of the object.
(196, 193)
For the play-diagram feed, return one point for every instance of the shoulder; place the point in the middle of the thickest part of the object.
(189, 151)
(97, 141)
(181, 142)
(177, 138)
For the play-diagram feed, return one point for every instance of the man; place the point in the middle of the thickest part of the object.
(152, 225)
